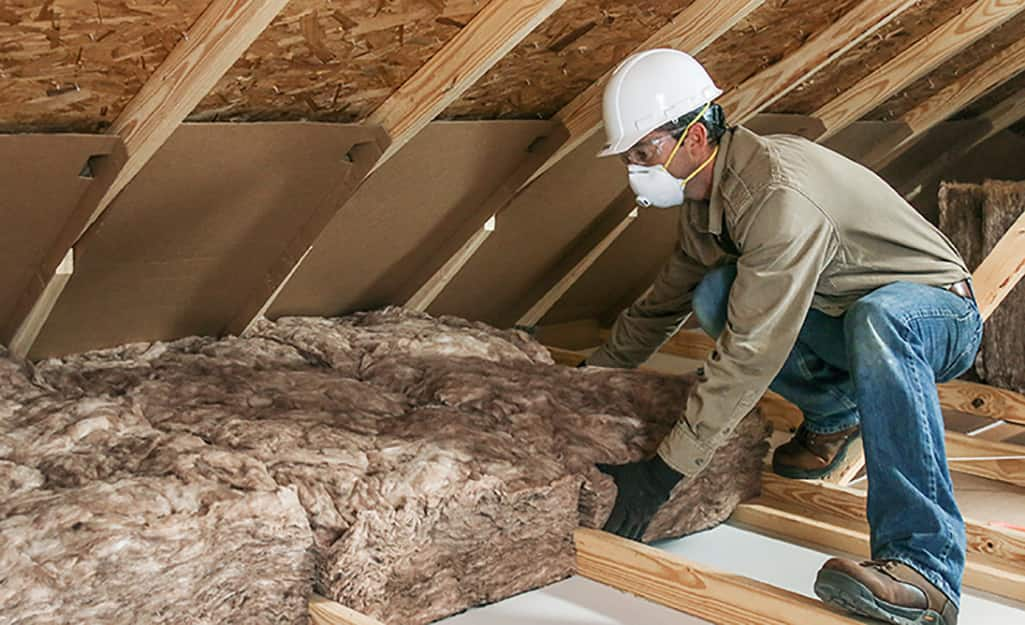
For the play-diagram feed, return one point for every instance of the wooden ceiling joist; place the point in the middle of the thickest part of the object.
(983, 400)
(689, 587)
(761, 90)
(324, 611)
(216, 40)
(953, 97)
(925, 55)
(825, 515)
(969, 454)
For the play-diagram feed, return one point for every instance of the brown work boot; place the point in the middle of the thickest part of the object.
(886, 590)
(809, 456)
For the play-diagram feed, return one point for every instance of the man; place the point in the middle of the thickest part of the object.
(820, 282)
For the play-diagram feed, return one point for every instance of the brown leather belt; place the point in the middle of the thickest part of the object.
(962, 288)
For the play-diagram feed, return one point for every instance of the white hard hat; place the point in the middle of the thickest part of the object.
(649, 89)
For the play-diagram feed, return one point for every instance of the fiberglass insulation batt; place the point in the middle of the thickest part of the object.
(975, 217)
(405, 466)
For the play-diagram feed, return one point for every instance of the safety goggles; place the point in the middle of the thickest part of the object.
(646, 152)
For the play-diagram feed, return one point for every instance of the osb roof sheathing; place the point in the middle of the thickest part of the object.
(977, 54)
(585, 39)
(768, 35)
(73, 66)
(334, 60)
(563, 56)
(868, 56)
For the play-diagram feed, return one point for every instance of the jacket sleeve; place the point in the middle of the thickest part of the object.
(785, 243)
(653, 319)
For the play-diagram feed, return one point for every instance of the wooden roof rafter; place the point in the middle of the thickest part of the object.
(923, 56)
(483, 42)
(692, 29)
(1001, 67)
(1000, 117)
(214, 42)
(211, 48)
(478, 46)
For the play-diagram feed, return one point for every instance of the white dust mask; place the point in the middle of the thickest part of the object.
(655, 186)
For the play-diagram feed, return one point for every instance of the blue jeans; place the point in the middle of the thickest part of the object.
(878, 364)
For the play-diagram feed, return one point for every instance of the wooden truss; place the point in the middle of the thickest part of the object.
(940, 45)
(949, 100)
(741, 103)
(925, 55)
(218, 38)
(997, 119)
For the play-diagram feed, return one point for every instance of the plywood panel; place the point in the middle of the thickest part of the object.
(531, 235)
(74, 64)
(42, 183)
(413, 201)
(334, 60)
(191, 237)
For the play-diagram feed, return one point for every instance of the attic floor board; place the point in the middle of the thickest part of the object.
(574, 601)
(579, 601)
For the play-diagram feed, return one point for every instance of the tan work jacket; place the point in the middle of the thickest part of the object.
(810, 229)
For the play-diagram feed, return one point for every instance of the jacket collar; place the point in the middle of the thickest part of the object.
(741, 156)
(706, 215)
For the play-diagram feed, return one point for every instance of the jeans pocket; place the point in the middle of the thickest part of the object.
(966, 357)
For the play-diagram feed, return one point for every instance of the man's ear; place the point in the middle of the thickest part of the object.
(697, 138)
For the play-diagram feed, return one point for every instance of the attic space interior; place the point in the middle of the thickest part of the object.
(294, 292)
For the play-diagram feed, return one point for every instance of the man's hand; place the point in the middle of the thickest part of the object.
(642, 487)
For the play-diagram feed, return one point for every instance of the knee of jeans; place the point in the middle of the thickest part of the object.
(711, 298)
(870, 330)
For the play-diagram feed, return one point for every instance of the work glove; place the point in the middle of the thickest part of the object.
(641, 489)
